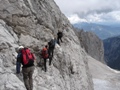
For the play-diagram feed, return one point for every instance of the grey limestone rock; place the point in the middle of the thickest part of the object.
(92, 45)
(32, 23)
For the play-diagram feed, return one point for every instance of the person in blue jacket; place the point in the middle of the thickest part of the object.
(18, 62)
(27, 69)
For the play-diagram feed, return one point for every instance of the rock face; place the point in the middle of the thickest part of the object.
(92, 44)
(112, 52)
(32, 23)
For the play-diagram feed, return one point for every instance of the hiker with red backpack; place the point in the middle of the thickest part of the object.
(44, 54)
(26, 58)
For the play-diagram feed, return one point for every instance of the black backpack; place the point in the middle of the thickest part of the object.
(60, 34)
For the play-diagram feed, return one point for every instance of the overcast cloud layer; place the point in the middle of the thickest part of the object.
(90, 10)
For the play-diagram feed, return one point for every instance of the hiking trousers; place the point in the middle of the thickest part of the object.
(59, 39)
(51, 52)
(18, 65)
(45, 67)
(27, 77)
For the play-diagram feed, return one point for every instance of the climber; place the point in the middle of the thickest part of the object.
(59, 36)
(26, 58)
(44, 54)
(51, 48)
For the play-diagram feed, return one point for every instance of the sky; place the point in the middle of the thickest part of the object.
(95, 11)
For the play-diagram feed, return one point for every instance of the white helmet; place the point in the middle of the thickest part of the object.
(20, 47)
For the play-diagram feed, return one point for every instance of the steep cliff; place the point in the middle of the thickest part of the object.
(32, 24)
(92, 44)
(112, 52)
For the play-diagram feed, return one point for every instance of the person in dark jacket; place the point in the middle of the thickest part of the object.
(59, 36)
(27, 70)
(51, 48)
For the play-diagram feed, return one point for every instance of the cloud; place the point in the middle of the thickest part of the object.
(89, 18)
(113, 16)
(75, 19)
(90, 10)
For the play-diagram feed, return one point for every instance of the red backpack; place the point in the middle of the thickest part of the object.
(44, 53)
(27, 56)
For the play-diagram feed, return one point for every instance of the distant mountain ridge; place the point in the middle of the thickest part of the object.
(112, 52)
(102, 31)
